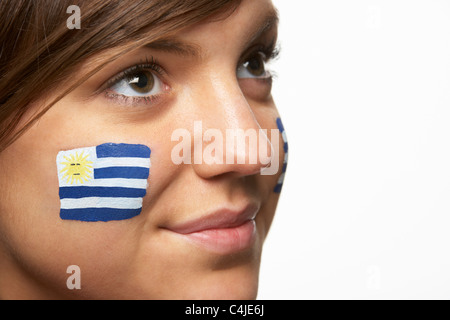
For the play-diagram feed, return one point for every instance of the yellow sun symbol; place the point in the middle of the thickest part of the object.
(77, 168)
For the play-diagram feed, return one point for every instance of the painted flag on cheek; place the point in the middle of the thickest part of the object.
(103, 183)
(279, 185)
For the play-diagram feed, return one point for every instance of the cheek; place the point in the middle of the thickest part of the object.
(32, 232)
(257, 89)
(29, 208)
(108, 183)
(29, 185)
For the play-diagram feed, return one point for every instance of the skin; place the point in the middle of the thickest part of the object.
(139, 258)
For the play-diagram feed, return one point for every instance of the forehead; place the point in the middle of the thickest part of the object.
(233, 30)
(247, 22)
(246, 14)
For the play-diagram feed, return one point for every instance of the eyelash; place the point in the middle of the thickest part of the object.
(270, 52)
(151, 64)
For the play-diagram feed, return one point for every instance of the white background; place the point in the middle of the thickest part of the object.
(363, 89)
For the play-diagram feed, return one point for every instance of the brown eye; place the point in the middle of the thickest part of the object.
(253, 67)
(142, 82)
(138, 83)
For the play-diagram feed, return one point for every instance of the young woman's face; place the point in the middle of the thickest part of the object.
(202, 225)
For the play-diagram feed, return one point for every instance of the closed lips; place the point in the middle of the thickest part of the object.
(224, 231)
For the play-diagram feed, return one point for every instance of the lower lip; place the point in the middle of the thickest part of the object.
(225, 240)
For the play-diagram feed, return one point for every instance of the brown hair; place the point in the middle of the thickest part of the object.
(38, 51)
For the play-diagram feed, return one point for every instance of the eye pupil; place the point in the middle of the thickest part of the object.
(142, 82)
(256, 66)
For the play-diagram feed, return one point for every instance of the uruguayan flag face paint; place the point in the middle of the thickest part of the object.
(103, 183)
(279, 185)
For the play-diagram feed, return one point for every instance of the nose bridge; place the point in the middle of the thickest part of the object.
(229, 106)
(225, 112)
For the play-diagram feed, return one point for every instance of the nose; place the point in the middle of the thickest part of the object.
(228, 138)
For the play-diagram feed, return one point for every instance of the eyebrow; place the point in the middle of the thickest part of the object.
(271, 20)
(172, 45)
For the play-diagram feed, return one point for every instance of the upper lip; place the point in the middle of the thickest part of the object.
(224, 217)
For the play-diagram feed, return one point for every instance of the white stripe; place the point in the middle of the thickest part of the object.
(118, 182)
(100, 202)
(281, 179)
(284, 136)
(121, 162)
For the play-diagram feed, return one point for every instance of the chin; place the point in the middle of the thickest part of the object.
(240, 290)
(233, 284)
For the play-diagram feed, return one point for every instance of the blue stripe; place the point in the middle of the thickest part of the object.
(123, 150)
(107, 192)
(121, 172)
(277, 188)
(280, 125)
(98, 214)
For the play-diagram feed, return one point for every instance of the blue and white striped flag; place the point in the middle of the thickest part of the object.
(280, 182)
(103, 183)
